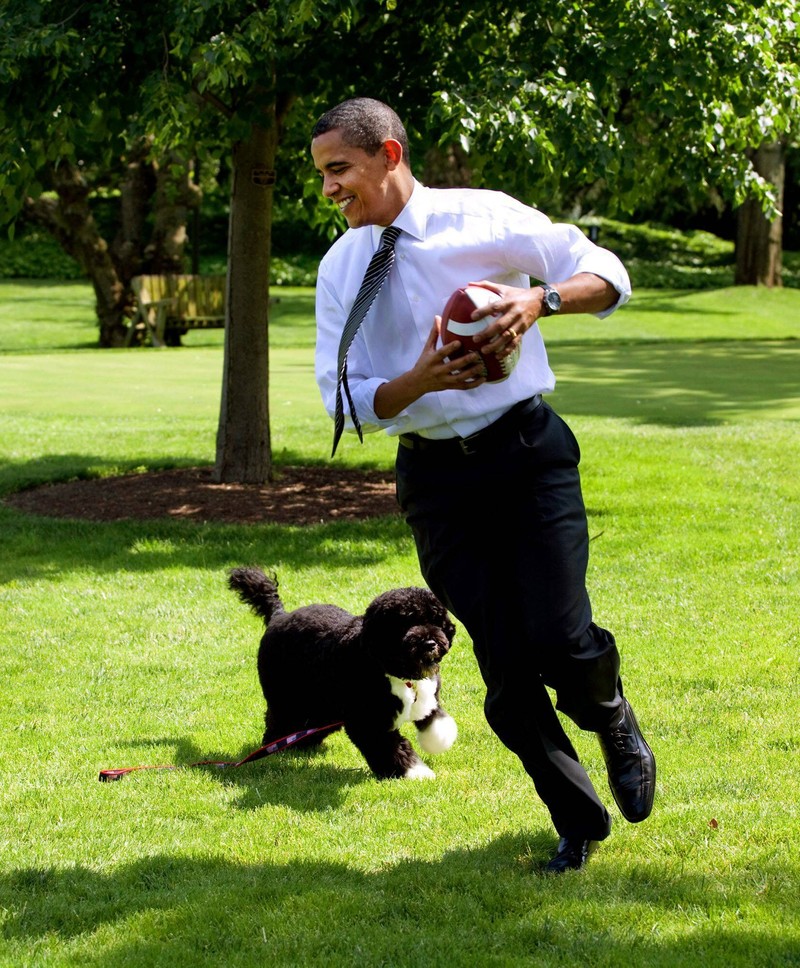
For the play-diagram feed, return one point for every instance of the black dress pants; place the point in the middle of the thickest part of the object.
(502, 540)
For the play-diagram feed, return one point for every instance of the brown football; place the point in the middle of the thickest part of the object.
(457, 323)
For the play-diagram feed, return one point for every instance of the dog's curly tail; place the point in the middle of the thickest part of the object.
(258, 591)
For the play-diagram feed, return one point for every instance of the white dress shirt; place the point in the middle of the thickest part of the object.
(449, 237)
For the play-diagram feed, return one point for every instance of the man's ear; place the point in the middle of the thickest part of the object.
(393, 152)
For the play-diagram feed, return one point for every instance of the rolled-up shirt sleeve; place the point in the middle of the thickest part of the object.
(552, 252)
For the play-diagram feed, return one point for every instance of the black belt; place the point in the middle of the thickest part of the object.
(476, 442)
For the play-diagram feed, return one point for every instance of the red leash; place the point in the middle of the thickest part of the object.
(262, 751)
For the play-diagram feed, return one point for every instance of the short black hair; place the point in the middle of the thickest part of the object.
(365, 123)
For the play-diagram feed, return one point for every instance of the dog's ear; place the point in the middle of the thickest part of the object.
(408, 606)
(439, 615)
(382, 620)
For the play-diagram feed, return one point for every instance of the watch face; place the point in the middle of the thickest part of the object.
(552, 300)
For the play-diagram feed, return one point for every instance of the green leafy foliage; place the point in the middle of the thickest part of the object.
(36, 255)
(583, 107)
(657, 257)
(631, 94)
(69, 86)
(636, 96)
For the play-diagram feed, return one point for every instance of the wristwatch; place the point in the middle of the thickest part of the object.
(551, 302)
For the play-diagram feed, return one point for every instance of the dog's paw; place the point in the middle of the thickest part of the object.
(439, 735)
(419, 771)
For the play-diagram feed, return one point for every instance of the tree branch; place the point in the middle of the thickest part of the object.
(214, 101)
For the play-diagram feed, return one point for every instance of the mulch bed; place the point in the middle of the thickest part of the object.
(299, 495)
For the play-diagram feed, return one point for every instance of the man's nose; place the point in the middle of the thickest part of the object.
(329, 186)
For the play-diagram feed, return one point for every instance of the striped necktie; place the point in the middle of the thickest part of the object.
(374, 278)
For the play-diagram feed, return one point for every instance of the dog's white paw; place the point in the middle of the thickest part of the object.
(439, 736)
(419, 771)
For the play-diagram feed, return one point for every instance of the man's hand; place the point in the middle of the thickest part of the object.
(431, 373)
(518, 309)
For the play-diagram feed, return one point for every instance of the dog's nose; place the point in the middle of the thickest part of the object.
(428, 643)
(436, 646)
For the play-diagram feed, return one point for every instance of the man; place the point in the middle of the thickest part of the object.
(487, 473)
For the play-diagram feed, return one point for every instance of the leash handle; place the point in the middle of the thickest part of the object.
(107, 776)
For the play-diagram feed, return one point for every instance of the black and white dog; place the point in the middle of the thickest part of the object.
(371, 673)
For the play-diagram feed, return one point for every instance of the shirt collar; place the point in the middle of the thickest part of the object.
(412, 219)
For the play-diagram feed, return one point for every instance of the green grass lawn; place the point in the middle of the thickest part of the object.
(121, 645)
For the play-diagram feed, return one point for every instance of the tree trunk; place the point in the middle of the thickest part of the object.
(69, 219)
(243, 437)
(759, 240)
(136, 193)
(176, 194)
(446, 166)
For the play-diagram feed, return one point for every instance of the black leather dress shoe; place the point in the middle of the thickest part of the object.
(631, 766)
(571, 855)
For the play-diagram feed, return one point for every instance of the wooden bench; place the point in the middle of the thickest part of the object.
(169, 306)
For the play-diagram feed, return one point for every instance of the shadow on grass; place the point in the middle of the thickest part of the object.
(88, 343)
(53, 468)
(280, 779)
(469, 907)
(679, 384)
(668, 384)
(671, 301)
(31, 545)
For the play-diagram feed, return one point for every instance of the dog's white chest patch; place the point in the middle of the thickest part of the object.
(418, 697)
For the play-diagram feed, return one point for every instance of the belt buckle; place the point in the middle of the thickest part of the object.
(468, 445)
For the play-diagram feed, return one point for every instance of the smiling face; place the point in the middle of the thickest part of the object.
(367, 189)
